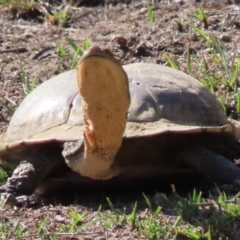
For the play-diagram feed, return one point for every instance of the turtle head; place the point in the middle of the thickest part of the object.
(104, 90)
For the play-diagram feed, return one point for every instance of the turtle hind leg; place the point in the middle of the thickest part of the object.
(29, 174)
(217, 169)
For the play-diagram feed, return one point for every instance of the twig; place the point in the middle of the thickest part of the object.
(14, 50)
(42, 28)
(11, 101)
(64, 234)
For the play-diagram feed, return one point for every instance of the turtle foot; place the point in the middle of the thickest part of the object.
(18, 188)
(13, 193)
(23, 181)
(20, 201)
(227, 188)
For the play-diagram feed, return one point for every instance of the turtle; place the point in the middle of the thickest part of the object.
(104, 121)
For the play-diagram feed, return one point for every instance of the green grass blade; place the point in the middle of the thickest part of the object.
(235, 73)
(147, 202)
(202, 34)
(238, 102)
(173, 64)
(221, 102)
(113, 209)
(3, 175)
(72, 44)
(151, 15)
(9, 109)
(75, 58)
(133, 217)
(42, 225)
(86, 44)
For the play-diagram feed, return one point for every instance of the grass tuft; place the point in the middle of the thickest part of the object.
(151, 15)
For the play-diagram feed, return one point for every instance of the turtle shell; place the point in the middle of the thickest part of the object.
(162, 100)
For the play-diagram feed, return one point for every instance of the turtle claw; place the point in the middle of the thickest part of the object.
(10, 195)
(20, 201)
(227, 188)
(28, 201)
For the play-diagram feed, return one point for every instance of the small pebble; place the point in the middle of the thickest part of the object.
(59, 218)
(225, 38)
(143, 10)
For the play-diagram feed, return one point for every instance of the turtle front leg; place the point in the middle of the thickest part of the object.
(25, 179)
(216, 168)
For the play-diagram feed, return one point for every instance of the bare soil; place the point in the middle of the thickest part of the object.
(28, 50)
(28, 41)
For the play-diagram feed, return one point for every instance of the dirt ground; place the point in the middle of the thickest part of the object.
(28, 51)
(28, 46)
